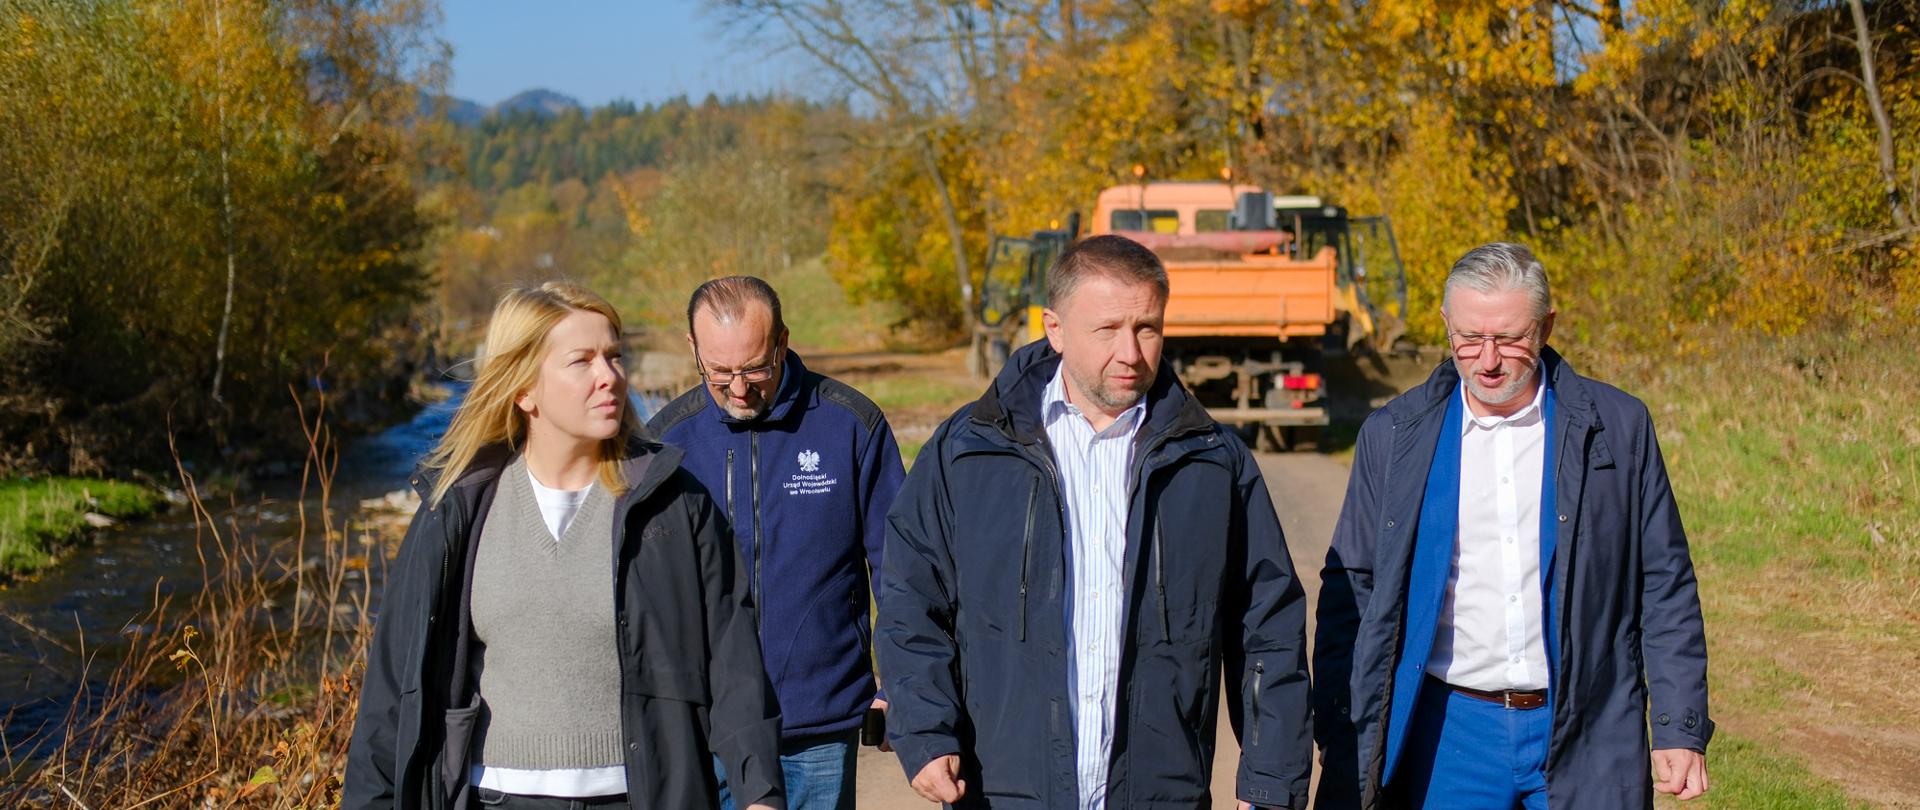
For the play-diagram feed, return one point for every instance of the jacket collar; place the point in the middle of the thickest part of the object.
(1576, 414)
(1011, 405)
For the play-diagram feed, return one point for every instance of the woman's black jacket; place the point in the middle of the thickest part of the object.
(691, 680)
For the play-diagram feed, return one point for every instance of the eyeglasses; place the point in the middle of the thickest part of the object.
(1469, 345)
(722, 379)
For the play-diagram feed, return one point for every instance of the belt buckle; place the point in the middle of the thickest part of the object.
(1506, 698)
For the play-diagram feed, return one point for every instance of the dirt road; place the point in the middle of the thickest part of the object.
(1307, 489)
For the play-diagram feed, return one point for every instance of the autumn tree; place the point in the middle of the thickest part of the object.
(217, 190)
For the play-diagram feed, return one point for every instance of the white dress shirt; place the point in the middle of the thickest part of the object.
(1490, 629)
(1093, 469)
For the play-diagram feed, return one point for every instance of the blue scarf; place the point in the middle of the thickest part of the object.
(1432, 565)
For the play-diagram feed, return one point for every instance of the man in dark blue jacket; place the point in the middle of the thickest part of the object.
(805, 468)
(1072, 562)
(1509, 585)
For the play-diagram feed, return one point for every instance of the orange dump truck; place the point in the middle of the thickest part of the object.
(1245, 316)
(1260, 289)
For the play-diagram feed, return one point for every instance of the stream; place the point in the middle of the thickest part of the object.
(63, 633)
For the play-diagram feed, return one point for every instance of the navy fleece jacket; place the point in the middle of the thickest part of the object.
(806, 488)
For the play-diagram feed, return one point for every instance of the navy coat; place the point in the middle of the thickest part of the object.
(1630, 630)
(972, 628)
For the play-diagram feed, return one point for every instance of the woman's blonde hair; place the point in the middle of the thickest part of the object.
(509, 366)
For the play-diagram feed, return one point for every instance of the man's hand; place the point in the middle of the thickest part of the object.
(885, 745)
(939, 782)
(758, 807)
(1680, 772)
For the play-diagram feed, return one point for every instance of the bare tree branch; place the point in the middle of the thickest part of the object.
(1889, 174)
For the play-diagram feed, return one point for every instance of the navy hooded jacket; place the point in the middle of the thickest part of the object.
(1629, 612)
(806, 488)
(972, 635)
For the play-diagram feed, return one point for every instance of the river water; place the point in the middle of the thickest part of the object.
(62, 634)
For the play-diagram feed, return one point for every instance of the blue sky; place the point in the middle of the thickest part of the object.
(600, 50)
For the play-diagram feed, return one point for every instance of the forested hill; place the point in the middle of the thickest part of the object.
(543, 136)
(540, 101)
(640, 201)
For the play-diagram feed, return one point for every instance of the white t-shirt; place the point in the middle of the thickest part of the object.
(558, 506)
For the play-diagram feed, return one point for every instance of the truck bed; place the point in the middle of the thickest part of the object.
(1251, 296)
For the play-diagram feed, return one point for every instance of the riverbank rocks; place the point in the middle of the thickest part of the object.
(399, 500)
(383, 520)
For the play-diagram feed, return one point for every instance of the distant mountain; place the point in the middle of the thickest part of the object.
(538, 101)
(541, 102)
(463, 112)
(458, 110)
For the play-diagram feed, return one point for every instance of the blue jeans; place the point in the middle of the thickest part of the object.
(1464, 753)
(819, 772)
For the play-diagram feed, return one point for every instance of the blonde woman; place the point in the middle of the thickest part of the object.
(567, 624)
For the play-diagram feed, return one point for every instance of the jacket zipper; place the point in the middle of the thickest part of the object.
(1026, 553)
(736, 524)
(1160, 578)
(753, 481)
(620, 630)
(1253, 738)
(1059, 508)
(433, 779)
(1045, 462)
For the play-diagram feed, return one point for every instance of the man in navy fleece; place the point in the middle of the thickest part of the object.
(806, 468)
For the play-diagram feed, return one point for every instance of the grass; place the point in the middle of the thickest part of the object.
(940, 393)
(910, 450)
(915, 402)
(40, 516)
(820, 318)
(1746, 775)
(1796, 464)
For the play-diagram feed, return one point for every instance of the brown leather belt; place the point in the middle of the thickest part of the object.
(1510, 698)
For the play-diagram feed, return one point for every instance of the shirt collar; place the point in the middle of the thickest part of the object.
(1525, 417)
(1054, 405)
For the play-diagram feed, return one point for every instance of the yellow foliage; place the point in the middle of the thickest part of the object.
(1674, 166)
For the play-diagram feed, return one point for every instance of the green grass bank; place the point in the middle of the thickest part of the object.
(1796, 463)
(41, 517)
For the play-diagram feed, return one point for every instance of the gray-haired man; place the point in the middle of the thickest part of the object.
(1509, 585)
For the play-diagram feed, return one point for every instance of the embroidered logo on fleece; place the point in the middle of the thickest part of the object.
(810, 480)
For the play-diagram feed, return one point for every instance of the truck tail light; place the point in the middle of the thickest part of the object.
(1300, 382)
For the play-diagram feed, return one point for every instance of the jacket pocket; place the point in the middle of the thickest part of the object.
(454, 766)
(673, 684)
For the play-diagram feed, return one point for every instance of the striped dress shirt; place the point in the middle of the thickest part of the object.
(1093, 467)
